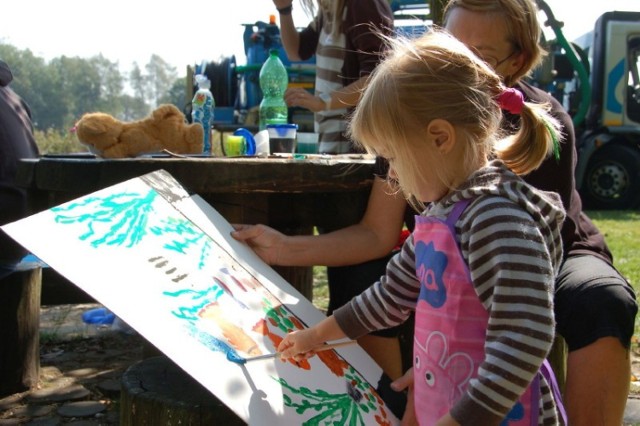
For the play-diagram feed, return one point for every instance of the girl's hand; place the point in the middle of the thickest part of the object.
(265, 241)
(400, 384)
(299, 344)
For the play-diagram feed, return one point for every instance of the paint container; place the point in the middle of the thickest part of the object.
(282, 138)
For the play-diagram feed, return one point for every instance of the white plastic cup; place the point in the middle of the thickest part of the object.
(307, 143)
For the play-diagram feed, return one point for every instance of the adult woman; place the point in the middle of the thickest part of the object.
(345, 38)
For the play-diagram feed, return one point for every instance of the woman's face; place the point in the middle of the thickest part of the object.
(486, 35)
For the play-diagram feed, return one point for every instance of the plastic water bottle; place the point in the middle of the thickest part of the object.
(273, 82)
(202, 109)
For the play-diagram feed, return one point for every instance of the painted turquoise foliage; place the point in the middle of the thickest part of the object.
(200, 298)
(184, 235)
(127, 214)
(123, 219)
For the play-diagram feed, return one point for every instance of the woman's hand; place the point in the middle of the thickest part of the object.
(299, 97)
(265, 241)
(299, 345)
(399, 385)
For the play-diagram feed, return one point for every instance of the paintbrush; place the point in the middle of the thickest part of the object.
(234, 357)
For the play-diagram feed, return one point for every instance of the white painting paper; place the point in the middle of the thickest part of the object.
(164, 262)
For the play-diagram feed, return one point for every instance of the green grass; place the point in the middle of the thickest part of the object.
(320, 288)
(622, 234)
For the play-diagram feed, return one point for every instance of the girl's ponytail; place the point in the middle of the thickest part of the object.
(537, 137)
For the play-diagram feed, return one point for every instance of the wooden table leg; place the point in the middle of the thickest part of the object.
(20, 331)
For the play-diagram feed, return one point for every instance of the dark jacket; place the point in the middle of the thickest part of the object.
(579, 234)
(16, 142)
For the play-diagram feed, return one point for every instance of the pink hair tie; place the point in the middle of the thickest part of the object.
(511, 100)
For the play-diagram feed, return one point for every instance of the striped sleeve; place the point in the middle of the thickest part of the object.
(512, 272)
(388, 302)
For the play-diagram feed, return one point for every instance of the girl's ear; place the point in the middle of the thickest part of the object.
(442, 134)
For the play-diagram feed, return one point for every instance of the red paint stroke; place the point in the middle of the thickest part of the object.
(337, 365)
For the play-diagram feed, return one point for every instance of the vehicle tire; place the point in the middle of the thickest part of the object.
(612, 180)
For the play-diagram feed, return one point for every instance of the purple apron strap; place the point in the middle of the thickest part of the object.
(535, 400)
(455, 213)
(548, 374)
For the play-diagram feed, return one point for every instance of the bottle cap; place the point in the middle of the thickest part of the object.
(202, 81)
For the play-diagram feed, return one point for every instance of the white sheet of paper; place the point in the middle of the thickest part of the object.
(164, 262)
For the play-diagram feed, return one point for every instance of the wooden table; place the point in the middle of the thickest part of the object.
(291, 195)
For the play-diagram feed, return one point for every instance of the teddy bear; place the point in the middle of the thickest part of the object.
(164, 129)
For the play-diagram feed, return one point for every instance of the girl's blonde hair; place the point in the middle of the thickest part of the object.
(523, 28)
(437, 77)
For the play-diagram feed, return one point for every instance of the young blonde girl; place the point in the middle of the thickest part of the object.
(479, 267)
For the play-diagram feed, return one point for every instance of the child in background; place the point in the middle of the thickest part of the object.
(480, 265)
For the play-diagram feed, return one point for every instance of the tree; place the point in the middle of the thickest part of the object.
(111, 85)
(176, 94)
(61, 91)
(133, 108)
(138, 82)
(31, 81)
(160, 77)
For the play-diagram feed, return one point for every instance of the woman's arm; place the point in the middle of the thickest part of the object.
(288, 32)
(373, 237)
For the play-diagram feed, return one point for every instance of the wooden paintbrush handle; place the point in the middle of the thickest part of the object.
(320, 348)
(335, 345)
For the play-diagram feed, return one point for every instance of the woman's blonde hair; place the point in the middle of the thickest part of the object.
(523, 28)
(437, 77)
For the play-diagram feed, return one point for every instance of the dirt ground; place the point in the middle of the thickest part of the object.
(81, 367)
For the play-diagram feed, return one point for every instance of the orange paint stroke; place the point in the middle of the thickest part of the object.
(296, 322)
(236, 336)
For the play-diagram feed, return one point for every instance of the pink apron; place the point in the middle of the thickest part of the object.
(450, 326)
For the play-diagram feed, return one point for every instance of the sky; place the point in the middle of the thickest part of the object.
(128, 31)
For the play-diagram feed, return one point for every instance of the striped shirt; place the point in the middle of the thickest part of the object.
(509, 237)
(331, 125)
(342, 57)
